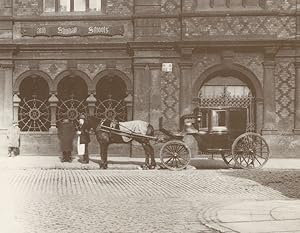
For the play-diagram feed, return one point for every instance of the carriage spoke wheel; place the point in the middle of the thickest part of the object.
(111, 109)
(34, 115)
(250, 150)
(175, 155)
(228, 159)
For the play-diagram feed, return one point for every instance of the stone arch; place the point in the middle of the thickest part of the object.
(29, 73)
(230, 69)
(246, 76)
(77, 73)
(114, 72)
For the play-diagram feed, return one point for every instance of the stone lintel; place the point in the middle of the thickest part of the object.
(185, 65)
(296, 131)
(270, 53)
(269, 64)
(155, 66)
(270, 132)
(139, 65)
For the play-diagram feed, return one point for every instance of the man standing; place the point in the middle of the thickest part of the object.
(13, 136)
(83, 140)
(66, 133)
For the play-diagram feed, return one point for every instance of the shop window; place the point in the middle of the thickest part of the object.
(72, 5)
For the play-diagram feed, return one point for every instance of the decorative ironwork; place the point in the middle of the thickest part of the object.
(34, 115)
(71, 109)
(225, 100)
(111, 109)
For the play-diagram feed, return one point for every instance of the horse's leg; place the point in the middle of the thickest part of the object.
(150, 150)
(103, 153)
(146, 150)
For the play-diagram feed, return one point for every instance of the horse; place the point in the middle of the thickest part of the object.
(105, 138)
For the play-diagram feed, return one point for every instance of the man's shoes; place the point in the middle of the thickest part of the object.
(83, 161)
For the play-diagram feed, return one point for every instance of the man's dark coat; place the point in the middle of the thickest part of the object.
(84, 136)
(66, 133)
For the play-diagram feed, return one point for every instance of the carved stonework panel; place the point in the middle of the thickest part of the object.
(91, 69)
(126, 69)
(170, 98)
(19, 69)
(119, 7)
(253, 62)
(53, 68)
(285, 91)
(202, 62)
(283, 27)
(170, 28)
(280, 5)
(170, 6)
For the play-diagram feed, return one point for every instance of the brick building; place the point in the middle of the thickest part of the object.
(143, 59)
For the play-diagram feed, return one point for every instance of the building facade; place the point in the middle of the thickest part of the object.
(142, 59)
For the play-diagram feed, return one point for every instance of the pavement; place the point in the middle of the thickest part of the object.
(279, 214)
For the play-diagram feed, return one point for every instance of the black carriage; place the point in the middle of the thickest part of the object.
(222, 126)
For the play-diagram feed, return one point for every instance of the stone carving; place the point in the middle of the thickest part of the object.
(170, 6)
(283, 27)
(52, 68)
(285, 83)
(91, 69)
(252, 61)
(170, 98)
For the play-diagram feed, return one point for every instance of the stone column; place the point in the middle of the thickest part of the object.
(6, 115)
(141, 92)
(91, 101)
(269, 112)
(129, 105)
(53, 100)
(155, 94)
(16, 104)
(186, 95)
(297, 98)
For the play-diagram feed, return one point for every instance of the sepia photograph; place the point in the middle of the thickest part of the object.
(150, 116)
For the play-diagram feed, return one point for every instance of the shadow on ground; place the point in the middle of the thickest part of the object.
(285, 181)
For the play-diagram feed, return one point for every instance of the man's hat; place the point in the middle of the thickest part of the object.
(82, 116)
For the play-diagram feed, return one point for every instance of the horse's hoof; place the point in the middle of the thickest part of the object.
(145, 167)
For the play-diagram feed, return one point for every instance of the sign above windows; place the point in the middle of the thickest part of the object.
(72, 30)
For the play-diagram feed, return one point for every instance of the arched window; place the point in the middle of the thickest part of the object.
(72, 92)
(34, 112)
(110, 94)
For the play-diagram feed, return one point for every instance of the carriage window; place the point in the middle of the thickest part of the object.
(218, 118)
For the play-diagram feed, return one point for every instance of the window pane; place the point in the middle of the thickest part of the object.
(49, 5)
(95, 5)
(236, 3)
(79, 5)
(220, 3)
(64, 5)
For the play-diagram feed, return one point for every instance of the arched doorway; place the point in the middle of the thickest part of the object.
(34, 111)
(233, 101)
(110, 94)
(72, 92)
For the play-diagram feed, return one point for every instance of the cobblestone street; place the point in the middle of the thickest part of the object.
(60, 200)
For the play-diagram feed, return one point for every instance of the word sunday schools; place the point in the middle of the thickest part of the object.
(71, 30)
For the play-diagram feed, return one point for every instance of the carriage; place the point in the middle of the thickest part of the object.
(223, 126)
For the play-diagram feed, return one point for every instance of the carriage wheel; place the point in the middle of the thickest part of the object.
(175, 155)
(250, 150)
(228, 159)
